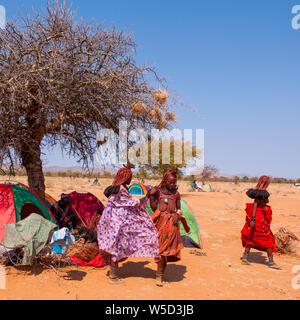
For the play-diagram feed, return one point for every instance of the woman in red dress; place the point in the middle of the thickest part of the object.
(257, 233)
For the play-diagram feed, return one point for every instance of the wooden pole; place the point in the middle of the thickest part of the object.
(79, 217)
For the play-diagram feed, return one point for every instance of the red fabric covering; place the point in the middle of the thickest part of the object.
(96, 262)
(7, 208)
(85, 205)
(185, 225)
(261, 236)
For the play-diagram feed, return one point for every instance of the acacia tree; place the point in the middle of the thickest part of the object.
(61, 80)
(208, 172)
(160, 168)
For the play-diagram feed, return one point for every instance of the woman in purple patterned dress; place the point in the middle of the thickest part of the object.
(125, 228)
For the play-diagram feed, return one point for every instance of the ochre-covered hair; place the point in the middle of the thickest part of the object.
(173, 172)
(123, 175)
(263, 183)
(260, 192)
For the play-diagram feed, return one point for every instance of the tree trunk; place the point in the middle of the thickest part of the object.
(31, 152)
(31, 160)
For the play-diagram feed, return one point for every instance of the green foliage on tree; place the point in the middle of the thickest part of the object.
(160, 168)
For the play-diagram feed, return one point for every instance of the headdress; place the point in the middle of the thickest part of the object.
(260, 192)
(123, 175)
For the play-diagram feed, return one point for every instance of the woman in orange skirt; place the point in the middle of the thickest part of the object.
(165, 203)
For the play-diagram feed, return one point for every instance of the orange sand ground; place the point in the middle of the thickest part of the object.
(218, 275)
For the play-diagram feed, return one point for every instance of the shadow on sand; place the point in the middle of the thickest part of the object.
(37, 269)
(34, 270)
(173, 273)
(75, 275)
(257, 257)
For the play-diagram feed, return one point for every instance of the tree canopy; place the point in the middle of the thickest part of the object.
(61, 80)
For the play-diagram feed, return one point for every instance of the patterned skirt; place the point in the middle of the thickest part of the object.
(125, 232)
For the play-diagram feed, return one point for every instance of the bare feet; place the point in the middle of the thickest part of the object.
(116, 281)
(273, 265)
(159, 283)
(159, 278)
(114, 276)
(245, 261)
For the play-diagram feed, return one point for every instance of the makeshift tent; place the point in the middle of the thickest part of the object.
(85, 205)
(31, 234)
(206, 187)
(194, 234)
(17, 202)
(138, 189)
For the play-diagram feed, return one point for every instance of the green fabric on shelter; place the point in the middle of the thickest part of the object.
(32, 233)
(23, 196)
(190, 220)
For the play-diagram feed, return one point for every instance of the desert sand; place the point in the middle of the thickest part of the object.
(216, 275)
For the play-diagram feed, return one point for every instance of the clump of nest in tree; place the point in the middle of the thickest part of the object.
(162, 124)
(160, 97)
(155, 113)
(139, 108)
(170, 116)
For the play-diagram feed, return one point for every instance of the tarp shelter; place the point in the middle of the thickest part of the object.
(85, 205)
(17, 202)
(31, 234)
(138, 189)
(194, 234)
(206, 187)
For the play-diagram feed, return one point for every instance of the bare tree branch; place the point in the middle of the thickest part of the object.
(61, 81)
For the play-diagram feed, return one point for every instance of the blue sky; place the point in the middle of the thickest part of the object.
(236, 62)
